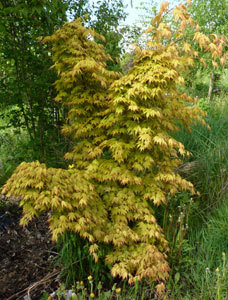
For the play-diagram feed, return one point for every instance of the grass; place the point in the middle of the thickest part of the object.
(76, 261)
(207, 168)
(202, 267)
(205, 275)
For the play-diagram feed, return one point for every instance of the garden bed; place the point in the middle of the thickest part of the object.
(27, 258)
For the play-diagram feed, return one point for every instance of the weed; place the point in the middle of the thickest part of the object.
(97, 292)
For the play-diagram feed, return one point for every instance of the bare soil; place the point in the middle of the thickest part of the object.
(27, 258)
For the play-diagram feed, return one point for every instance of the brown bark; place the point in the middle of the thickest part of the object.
(210, 91)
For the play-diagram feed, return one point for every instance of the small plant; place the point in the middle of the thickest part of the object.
(219, 277)
(175, 223)
(195, 276)
(204, 104)
(80, 292)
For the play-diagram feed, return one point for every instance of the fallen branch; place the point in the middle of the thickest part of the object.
(34, 285)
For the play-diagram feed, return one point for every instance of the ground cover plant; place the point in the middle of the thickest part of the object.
(123, 167)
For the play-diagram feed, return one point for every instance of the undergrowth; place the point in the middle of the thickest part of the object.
(207, 166)
(16, 147)
(201, 272)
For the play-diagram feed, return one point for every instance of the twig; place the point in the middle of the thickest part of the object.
(41, 282)
(34, 285)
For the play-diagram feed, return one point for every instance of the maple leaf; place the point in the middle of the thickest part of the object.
(214, 63)
(222, 61)
(160, 288)
(203, 61)
(187, 47)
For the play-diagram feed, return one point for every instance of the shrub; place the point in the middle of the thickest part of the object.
(124, 159)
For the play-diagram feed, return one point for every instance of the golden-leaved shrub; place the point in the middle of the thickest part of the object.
(124, 158)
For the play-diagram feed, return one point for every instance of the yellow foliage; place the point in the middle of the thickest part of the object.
(124, 160)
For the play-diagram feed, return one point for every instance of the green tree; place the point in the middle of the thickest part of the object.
(107, 17)
(211, 16)
(27, 83)
(26, 77)
(214, 21)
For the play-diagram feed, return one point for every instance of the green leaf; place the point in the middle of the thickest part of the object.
(177, 277)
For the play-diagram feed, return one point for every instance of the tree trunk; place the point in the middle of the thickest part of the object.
(210, 91)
